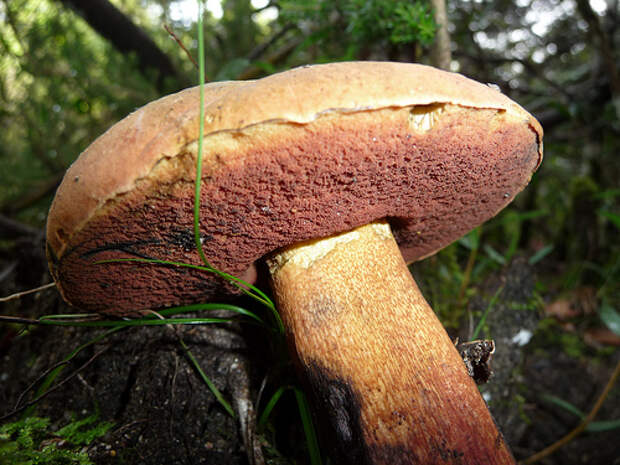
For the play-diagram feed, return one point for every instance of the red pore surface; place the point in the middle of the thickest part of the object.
(284, 183)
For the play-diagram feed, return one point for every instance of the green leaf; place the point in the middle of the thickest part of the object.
(232, 69)
(49, 379)
(615, 219)
(214, 390)
(265, 66)
(608, 194)
(494, 254)
(542, 253)
(563, 404)
(605, 425)
(471, 241)
(523, 216)
(592, 427)
(480, 324)
(610, 317)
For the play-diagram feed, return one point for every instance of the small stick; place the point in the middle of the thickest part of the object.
(17, 295)
(178, 41)
(18, 320)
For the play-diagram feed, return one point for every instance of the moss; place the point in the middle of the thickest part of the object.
(440, 278)
(534, 304)
(30, 440)
(550, 333)
(572, 345)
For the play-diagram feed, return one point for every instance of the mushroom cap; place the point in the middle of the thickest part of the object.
(294, 156)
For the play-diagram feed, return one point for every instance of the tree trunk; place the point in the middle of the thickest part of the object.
(441, 54)
(113, 25)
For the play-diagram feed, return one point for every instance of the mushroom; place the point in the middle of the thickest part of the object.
(339, 175)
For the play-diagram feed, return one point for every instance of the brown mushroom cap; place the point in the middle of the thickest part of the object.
(294, 156)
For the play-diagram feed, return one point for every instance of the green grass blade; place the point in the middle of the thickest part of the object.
(494, 254)
(524, 216)
(70, 316)
(309, 431)
(200, 307)
(245, 287)
(480, 324)
(593, 427)
(93, 320)
(139, 322)
(216, 392)
(256, 293)
(542, 253)
(270, 405)
(563, 404)
(197, 185)
(604, 425)
(201, 131)
(49, 379)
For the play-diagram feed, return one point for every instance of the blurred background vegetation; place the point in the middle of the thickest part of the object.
(69, 69)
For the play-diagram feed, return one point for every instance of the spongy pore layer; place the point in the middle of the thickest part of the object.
(434, 172)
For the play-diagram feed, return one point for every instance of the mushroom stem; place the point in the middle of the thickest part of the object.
(386, 382)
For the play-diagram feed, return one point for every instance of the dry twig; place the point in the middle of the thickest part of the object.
(178, 41)
(17, 295)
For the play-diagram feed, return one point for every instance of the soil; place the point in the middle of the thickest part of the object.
(163, 413)
(531, 363)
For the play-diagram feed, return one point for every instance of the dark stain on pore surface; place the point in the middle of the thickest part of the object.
(130, 248)
(185, 239)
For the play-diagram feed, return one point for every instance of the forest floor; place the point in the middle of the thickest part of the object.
(162, 412)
